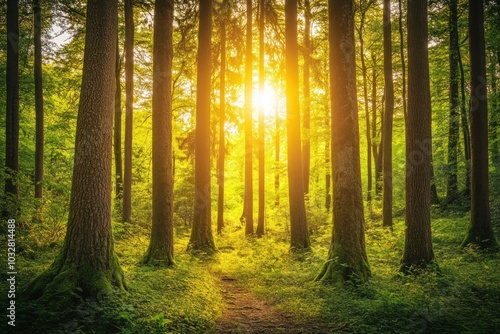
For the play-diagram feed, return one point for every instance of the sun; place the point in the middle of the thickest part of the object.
(267, 100)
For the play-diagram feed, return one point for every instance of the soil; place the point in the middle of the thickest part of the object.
(245, 313)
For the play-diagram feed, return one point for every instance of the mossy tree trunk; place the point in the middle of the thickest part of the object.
(298, 220)
(161, 245)
(201, 234)
(347, 258)
(480, 231)
(418, 251)
(87, 264)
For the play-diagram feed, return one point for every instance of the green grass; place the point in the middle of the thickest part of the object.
(462, 296)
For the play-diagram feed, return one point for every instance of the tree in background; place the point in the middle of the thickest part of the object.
(129, 108)
(418, 251)
(247, 215)
(12, 113)
(87, 264)
(262, 176)
(117, 140)
(347, 258)
(387, 123)
(161, 246)
(37, 24)
(298, 220)
(306, 122)
(201, 233)
(480, 232)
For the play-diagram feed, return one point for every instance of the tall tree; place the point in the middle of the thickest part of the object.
(222, 120)
(388, 115)
(129, 109)
(247, 214)
(402, 55)
(38, 100)
(306, 145)
(277, 147)
(201, 234)
(453, 134)
(12, 114)
(87, 264)
(418, 241)
(262, 176)
(347, 255)
(464, 120)
(480, 231)
(298, 220)
(161, 246)
(118, 128)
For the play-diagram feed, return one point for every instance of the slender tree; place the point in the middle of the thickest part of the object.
(277, 147)
(118, 128)
(347, 256)
(38, 100)
(402, 55)
(161, 246)
(453, 134)
(418, 241)
(306, 122)
(298, 220)
(247, 215)
(388, 115)
(201, 234)
(464, 120)
(87, 264)
(262, 176)
(480, 231)
(222, 119)
(129, 108)
(12, 114)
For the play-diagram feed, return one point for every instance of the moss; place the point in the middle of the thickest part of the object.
(158, 257)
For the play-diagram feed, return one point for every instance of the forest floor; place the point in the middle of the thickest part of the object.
(246, 313)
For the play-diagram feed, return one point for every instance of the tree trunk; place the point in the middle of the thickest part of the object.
(277, 159)
(480, 231)
(201, 234)
(260, 220)
(129, 90)
(87, 264)
(364, 71)
(247, 215)
(388, 115)
(118, 128)
(465, 126)
(402, 55)
(347, 258)
(306, 145)
(298, 220)
(161, 246)
(38, 101)
(453, 134)
(418, 241)
(222, 120)
(12, 114)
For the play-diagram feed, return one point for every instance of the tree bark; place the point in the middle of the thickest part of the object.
(298, 220)
(388, 117)
(87, 264)
(480, 232)
(38, 100)
(347, 258)
(260, 220)
(306, 144)
(12, 113)
(247, 215)
(201, 234)
(161, 246)
(222, 116)
(453, 134)
(464, 119)
(418, 251)
(129, 109)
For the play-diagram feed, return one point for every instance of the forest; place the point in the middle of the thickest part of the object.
(258, 166)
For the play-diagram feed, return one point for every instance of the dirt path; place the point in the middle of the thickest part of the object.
(244, 313)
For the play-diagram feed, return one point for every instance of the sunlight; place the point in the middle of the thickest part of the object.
(267, 100)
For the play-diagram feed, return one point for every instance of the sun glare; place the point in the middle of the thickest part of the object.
(267, 100)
